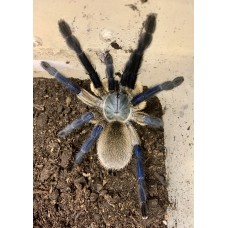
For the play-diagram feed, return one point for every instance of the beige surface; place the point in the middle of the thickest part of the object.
(170, 55)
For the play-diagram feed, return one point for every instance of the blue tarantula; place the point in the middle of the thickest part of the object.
(118, 103)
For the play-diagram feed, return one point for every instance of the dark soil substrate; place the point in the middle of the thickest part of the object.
(66, 195)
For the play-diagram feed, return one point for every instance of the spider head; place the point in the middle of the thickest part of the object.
(117, 107)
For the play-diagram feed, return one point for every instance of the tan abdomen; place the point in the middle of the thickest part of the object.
(114, 146)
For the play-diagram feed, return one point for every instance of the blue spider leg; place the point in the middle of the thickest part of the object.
(145, 119)
(140, 173)
(141, 182)
(88, 143)
(82, 94)
(130, 73)
(62, 79)
(169, 85)
(109, 71)
(74, 44)
(77, 123)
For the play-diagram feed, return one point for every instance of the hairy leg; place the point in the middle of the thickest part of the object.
(88, 143)
(82, 94)
(76, 124)
(145, 119)
(74, 44)
(169, 85)
(139, 171)
(133, 65)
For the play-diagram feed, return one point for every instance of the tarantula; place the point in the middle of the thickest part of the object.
(118, 103)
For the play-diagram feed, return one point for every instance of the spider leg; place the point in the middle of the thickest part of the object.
(129, 76)
(88, 143)
(82, 94)
(140, 173)
(62, 79)
(145, 119)
(77, 123)
(141, 182)
(74, 44)
(108, 61)
(168, 85)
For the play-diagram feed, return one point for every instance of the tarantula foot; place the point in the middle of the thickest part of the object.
(62, 133)
(150, 23)
(64, 28)
(71, 40)
(153, 121)
(78, 158)
(144, 210)
(172, 84)
(46, 66)
(178, 80)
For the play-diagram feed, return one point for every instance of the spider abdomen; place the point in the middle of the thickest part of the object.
(114, 147)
